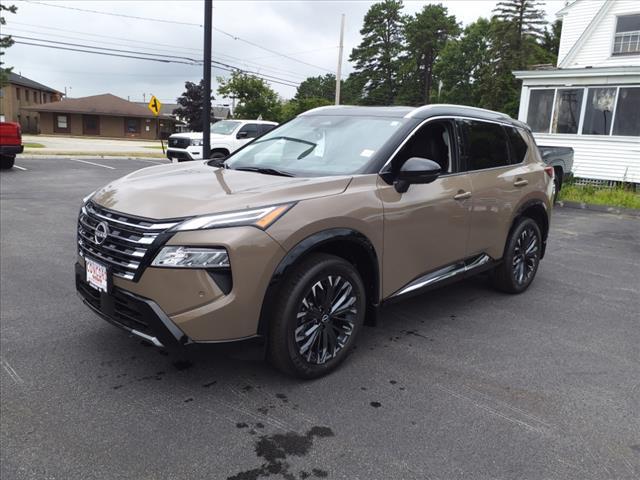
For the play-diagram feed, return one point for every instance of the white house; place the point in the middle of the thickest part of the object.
(591, 100)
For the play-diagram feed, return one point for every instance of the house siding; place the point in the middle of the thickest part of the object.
(574, 23)
(596, 49)
(603, 158)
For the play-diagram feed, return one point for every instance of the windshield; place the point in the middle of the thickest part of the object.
(318, 145)
(224, 127)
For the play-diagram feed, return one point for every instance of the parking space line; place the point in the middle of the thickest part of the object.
(91, 163)
(12, 373)
(19, 167)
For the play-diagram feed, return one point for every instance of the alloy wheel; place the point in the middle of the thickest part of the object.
(525, 256)
(325, 319)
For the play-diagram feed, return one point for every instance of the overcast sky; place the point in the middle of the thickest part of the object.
(305, 30)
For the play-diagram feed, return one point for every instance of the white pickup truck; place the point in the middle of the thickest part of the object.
(226, 137)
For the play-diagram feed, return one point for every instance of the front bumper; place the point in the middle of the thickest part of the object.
(184, 155)
(11, 149)
(139, 316)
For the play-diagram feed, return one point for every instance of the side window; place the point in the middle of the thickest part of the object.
(434, 141)
(486, 145)
(517, 144)
(250, 130)
(265, 127)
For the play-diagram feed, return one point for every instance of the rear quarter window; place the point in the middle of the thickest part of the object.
(518, 146)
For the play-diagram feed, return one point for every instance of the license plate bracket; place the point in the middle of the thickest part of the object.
(97, 275)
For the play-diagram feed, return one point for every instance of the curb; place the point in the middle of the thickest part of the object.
(598, 208)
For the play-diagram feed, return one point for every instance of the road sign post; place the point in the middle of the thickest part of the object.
(155, 105)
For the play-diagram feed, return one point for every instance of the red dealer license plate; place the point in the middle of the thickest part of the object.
(96, 275)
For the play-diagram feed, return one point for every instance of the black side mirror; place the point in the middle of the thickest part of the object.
(244, 134)
(416, 170)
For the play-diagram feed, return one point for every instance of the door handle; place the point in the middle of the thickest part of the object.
(462, 196)
(521, 182)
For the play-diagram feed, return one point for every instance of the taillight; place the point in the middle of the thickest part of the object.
(549, 171)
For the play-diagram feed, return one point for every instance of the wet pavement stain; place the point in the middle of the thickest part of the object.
(276, 449)
(375, 404)
(210, 384)
(187, 400)
(182, 365)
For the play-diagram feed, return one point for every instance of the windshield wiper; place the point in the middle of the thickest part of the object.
(266, 171)
(290, 139)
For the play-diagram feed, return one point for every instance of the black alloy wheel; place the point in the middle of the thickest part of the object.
(317, 315)
(521, 257)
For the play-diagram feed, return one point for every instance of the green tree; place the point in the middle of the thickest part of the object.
(5, 42)
(426, 34)
(352, 89)
(551, 40)
(523, 22)
(255, 97)
(294, 107)
(191, 105)
(318, 87)
(460, 66)
(377, 58)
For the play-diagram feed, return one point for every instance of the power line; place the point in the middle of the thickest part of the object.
(230, 35)
(248, 64)
(77, 47)
(148, 19)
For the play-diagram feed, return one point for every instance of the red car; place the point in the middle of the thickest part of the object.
(10, 143)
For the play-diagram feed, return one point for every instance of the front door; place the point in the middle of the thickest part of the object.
(91, 125)
(426, 227)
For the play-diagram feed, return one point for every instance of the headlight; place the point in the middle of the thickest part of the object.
(258, 217)
(196, 143)
(191, 257)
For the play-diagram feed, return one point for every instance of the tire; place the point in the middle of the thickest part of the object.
(305, 339)
(7, 161)
(518, 268)
(557, 182)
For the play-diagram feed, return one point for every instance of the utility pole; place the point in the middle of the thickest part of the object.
(339, 72)
(206, 107)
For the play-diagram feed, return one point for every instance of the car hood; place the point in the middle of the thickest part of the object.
(195, 188)
(198, 136)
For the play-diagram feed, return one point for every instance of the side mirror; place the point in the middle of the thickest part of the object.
(244, 134)
(416, 170)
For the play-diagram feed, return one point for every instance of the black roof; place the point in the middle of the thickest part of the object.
(27, 82)
(419, 113)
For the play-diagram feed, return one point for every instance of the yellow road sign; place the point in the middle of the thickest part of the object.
(155, 105)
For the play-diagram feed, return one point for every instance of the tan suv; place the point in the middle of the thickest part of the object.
(302, 235)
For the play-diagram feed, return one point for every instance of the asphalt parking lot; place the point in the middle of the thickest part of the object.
(462, 382)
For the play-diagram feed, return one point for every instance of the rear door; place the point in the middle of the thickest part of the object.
(494, 156)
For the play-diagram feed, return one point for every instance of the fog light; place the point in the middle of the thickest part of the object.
(191, 257)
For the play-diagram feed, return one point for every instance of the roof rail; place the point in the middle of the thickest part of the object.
(424, 107)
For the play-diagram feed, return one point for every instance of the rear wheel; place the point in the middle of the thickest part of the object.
(557, 183)
(318, 314)
(521, 258)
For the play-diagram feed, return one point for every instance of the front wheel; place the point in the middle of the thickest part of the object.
(318, 314)
(7, 161)
(521, 258)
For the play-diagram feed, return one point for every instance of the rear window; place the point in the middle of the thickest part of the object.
(486, 145)
(517, 144)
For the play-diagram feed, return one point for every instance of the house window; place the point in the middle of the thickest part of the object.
(598, 114)
(627, 39)
(26, 95)
(540, 106)
(627, 121)
(132, 126)
(566, 116)
(17, 94)
(61, 121)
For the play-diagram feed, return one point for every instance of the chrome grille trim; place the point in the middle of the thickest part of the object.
(128, 241)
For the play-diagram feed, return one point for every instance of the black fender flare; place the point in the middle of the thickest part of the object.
(315, 242)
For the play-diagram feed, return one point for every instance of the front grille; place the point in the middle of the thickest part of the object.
(179, 142)
(127, 241)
